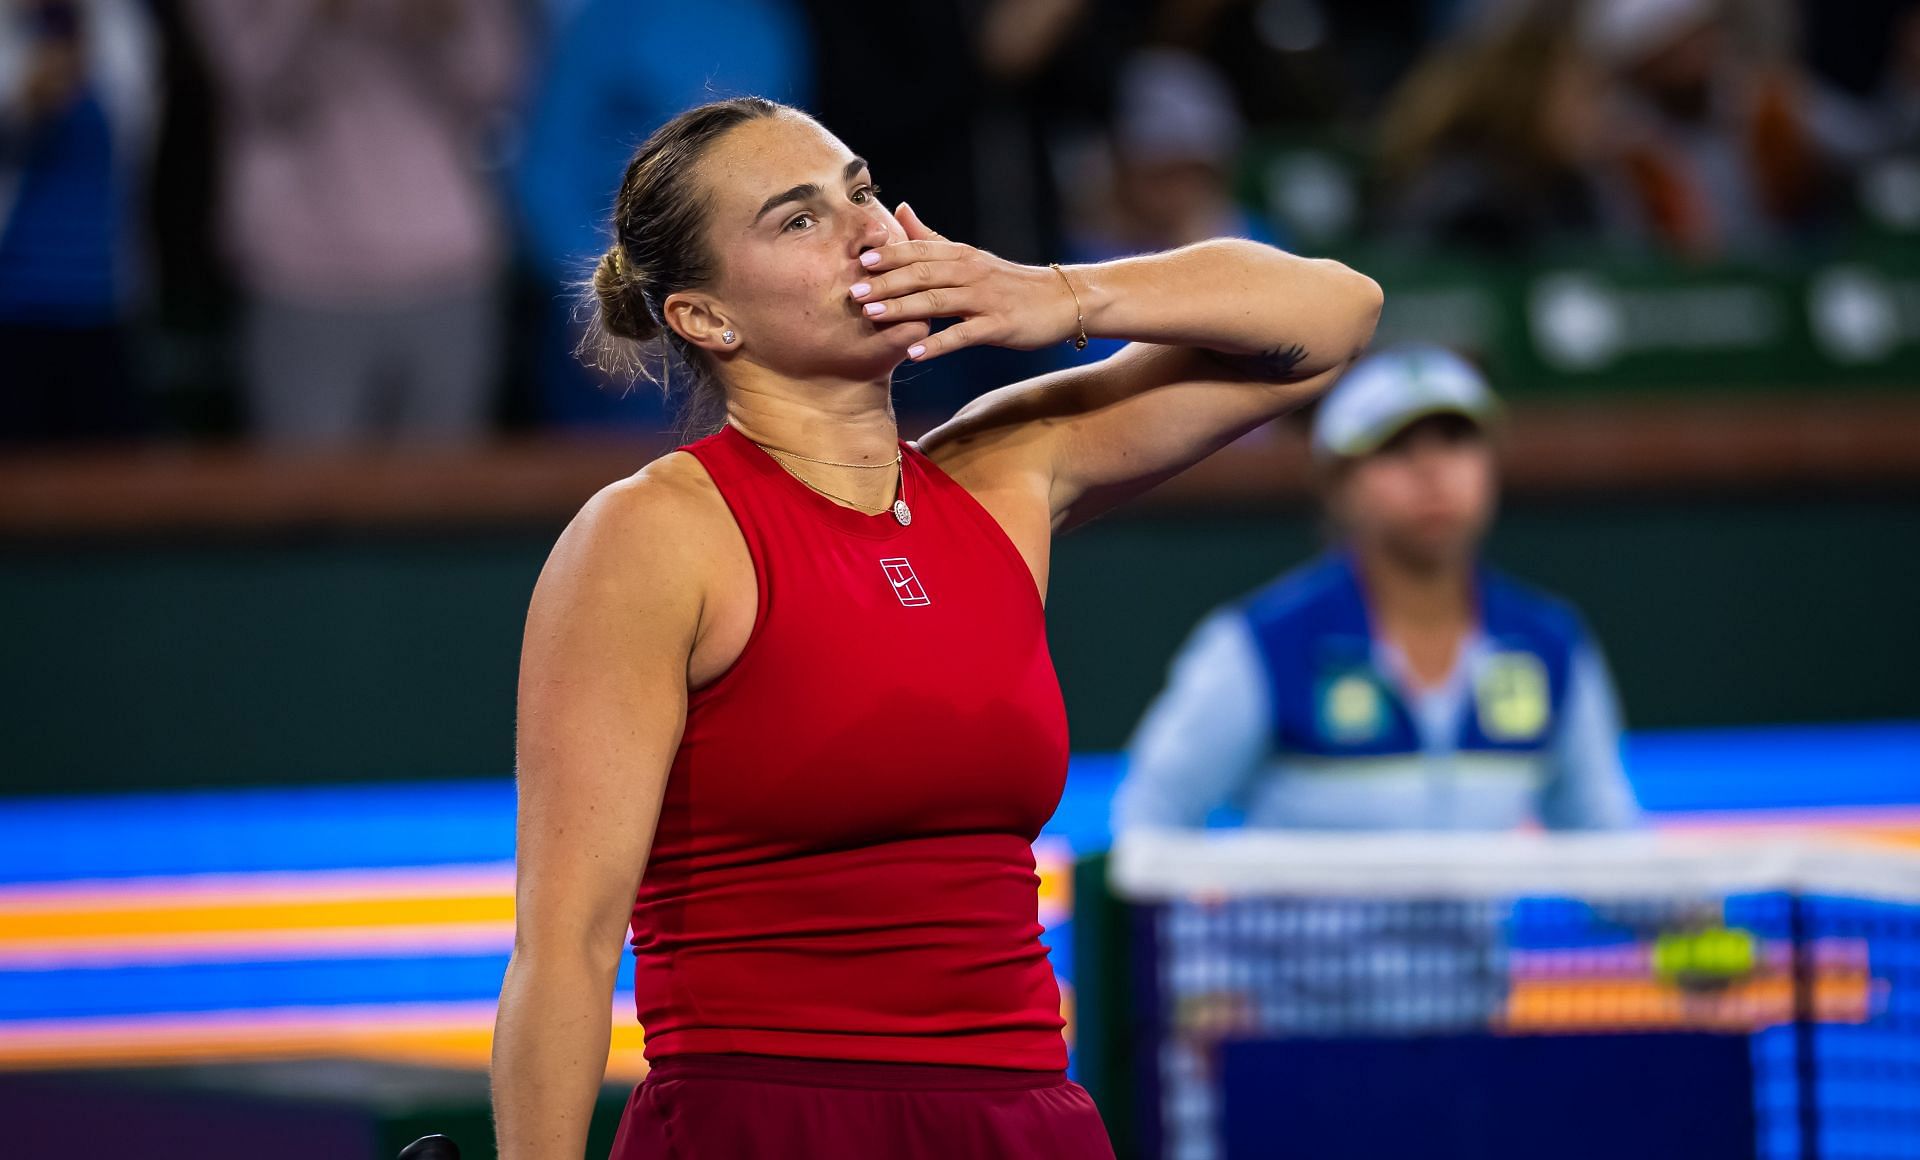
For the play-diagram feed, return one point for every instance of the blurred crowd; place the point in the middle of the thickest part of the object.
(310, 223)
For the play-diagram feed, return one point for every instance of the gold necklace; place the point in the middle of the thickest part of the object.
(901, 512)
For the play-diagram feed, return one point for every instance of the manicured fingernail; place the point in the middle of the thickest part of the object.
(916, 350)
(876, 308)
(870, 258)
(860, 289)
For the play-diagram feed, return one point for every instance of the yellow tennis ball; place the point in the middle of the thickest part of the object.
(1705, 956)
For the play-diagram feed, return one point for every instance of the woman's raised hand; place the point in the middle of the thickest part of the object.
(998, 303)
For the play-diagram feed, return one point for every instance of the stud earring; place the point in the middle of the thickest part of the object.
(726, 336)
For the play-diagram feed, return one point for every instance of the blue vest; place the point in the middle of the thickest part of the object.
(1330, 700)
(59, 245)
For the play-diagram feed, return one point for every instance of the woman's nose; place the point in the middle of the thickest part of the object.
(874, 232)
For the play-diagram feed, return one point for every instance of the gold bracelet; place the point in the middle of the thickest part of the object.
(1079, 316)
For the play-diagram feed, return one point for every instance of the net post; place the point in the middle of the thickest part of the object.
(1104, 1038)
(1806, 1065)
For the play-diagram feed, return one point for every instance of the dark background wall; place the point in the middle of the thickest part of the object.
(314, 657)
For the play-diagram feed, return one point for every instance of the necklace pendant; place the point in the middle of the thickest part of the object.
(902, 512)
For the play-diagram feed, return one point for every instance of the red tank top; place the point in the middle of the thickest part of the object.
(843, 866)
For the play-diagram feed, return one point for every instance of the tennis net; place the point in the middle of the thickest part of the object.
(1494, 995)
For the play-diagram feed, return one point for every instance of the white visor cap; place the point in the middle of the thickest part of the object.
(1386, 392)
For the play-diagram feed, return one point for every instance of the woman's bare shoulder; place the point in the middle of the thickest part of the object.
(661, 521)
(670, 494)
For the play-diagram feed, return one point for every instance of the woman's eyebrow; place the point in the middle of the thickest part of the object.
(805, 190)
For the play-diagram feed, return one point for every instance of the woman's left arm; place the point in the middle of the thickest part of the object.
(1224, 335)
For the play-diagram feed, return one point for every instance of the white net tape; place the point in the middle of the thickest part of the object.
(1163, 865)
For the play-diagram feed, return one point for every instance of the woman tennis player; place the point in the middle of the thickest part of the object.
(786, 705)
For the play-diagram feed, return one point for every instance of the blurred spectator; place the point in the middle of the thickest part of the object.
(1494, 141)
(78, 98)
(1304, 63)
(615, 71)
(1719, 141)
(1866, 110)
(356, 212)
(1175, 138)
(1398, 682)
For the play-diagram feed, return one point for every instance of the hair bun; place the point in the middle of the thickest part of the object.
(623, 310)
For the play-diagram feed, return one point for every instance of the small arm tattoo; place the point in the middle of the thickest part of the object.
(1277, 363)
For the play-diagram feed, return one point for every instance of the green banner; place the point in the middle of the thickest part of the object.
(1597, 327)
(1845, 313)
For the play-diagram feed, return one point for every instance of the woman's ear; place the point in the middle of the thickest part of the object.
(699, 320)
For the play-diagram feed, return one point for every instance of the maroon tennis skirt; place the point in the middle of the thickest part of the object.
(749, 1107)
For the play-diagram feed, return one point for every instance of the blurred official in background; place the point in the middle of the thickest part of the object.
(1397, 681)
